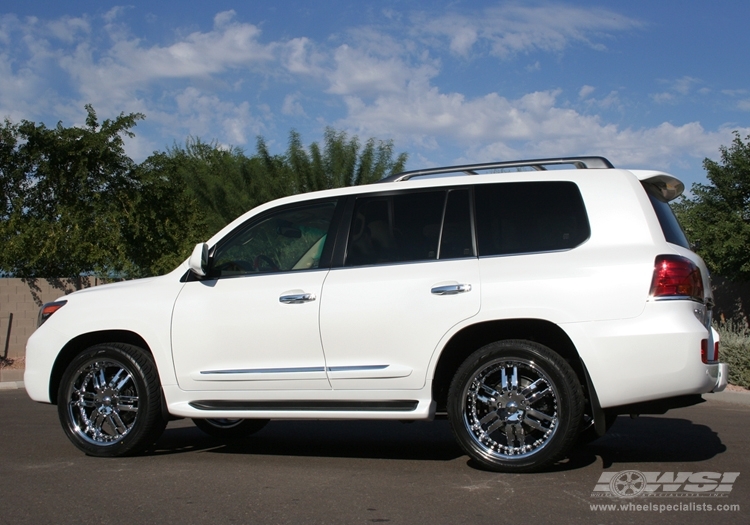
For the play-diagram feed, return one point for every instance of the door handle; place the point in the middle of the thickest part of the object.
(297, 298)
(451, 289)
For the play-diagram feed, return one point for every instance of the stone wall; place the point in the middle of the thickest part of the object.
(22, 298)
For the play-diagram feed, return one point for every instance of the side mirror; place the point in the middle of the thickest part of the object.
(198, 261)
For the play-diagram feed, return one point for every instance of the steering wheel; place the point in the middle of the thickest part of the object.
(263, 263)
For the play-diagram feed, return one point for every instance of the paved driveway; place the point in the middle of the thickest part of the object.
(365, 472)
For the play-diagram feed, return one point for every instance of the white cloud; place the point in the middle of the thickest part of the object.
(292, 106)
(515, 28)
(585, 91)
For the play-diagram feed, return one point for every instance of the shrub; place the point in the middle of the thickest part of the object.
(735, 350)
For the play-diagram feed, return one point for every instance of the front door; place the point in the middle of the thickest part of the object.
(253, 323)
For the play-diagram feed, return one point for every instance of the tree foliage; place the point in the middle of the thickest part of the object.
(226, 183)
(717, 216)
(73, 203)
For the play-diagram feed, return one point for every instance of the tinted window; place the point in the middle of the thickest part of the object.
(672, 230)
(527, 217)
(395, 228)
(292, 239)
(456, 240)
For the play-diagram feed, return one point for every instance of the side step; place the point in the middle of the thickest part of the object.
(311, 406)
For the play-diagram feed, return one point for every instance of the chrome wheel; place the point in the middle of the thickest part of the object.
(103, 402)
(109, 400)
(511, 408)
(515, 406)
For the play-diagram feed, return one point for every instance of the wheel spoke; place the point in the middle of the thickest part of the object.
(100, 381)
(128, 404)
(489, 418)
(115, 378)
(534, 419)
(514, 434)
(117, 424)
(536, 396)
(123, 382)
(491, 392)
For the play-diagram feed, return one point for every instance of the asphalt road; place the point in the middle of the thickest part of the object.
(359, 473)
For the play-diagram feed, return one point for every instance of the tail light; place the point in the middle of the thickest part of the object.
(676, 276)
(704, 352)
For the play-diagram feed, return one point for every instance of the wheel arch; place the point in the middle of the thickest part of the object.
(80, 343)
(475, 336)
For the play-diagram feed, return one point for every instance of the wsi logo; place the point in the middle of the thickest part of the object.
(634, 483)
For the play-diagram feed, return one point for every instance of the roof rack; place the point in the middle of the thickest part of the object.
(538, 164)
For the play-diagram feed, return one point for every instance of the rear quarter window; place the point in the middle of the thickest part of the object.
(529, 217)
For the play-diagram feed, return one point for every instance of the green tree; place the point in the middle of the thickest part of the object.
(226, 183)
(717, 216)
(73, 203)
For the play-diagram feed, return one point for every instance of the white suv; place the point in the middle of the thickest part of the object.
(529, 305)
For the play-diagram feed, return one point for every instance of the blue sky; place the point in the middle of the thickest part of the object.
(648, 84)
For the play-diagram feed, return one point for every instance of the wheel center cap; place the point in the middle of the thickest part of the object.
(512, 407)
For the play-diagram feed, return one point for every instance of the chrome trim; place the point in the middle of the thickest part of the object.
(537, 164)
(297, 298)
(722, 379)
(675, 298)
(268, 370)
(451, 289)
(296, 370)
(353, 368)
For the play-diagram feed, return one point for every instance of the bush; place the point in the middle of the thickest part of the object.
(735, 350)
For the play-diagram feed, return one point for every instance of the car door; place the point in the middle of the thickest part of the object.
(252, 324)
(409, 276)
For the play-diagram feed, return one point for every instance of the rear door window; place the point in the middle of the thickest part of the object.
(409, 227)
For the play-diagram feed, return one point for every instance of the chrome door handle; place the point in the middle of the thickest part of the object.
(297, 298)
(451, 289)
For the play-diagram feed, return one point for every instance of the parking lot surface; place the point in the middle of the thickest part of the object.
(341, 472)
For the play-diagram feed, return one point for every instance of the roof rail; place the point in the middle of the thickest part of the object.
(538, 164)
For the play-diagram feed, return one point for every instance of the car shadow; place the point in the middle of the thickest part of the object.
(347, 439)
(647, 439)
(641, 440)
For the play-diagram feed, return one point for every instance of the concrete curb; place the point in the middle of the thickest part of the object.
(11, 379)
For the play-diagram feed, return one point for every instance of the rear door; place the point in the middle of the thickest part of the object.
(410, 274)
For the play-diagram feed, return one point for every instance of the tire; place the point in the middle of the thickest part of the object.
(515, 406)
(230, 428)
(109, 401)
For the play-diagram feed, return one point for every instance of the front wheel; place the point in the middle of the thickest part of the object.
(230, 428)
(515, 406)
(109, 401)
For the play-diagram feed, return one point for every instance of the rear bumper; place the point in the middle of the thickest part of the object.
(722, 377)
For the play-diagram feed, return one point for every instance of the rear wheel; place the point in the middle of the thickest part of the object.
(109, 401)
(230, 428)
(515, 406)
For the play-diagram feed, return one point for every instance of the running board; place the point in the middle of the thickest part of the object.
(308, 406)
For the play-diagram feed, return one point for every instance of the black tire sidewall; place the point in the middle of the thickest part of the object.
(564, 381)
(149, 422)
